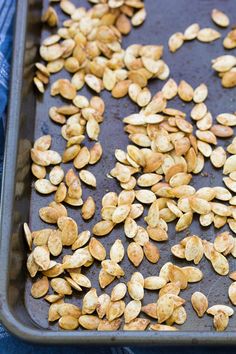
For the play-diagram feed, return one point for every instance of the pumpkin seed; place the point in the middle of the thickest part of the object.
(220, 18)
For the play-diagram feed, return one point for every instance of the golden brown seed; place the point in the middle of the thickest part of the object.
(222, 131)
(170, 89)
(105, 325)
(41, 257)
(160, 327)
(151, 252)
(53, 315)
(96, 249)
(88, 208)
(219, 263)
(154, 283)
(115, 310)
(185, 91)
(88, 178)
(56, 175)
(138, 324)
(103, 303)
(43, 143)
(184, 221)
(215, 308)
(112, 268)
(55, 271)
(53, 298)
(229, 79)
(69, 230)
(165, 307)
(199, 111)
(90, 302)
(232, 292)
(121, 88)
(103, 228)
(200, 206)
(89, 322)
(92, 129)
(55, 243)
(133, 91)
(183, 125)
(68, 323)
(223, 63)
(152, 218)
(199, 302)
(192, 274)
(191, 32)
(44, 186)
(139, 17)
(130, 227)
(178, 316)
(61, 286)
(220, 321)
(200, 93)
(120, 213)
(220, 18)
(132, 310)
(82, 159)
(145, 196)
(110, 199)
(67, 309)
(28, 235)
(135, 253)
(38, 171)
(177, 274)
(175, 41)
(150, 310)
(194, 249)
(157, 233)
(118, 292)
(105, 279)
(135, 290)
(95, 153)
(208, 35)
(218, 157)
(93, 82)
(40, 288)
(137, 277)
(123, 24)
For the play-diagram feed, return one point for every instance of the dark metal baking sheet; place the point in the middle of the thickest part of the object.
(28, 119)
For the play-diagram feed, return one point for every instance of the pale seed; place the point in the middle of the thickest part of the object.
(191, 32)
(89, 322)
(117, 251)
(199, 302)
(118, 292)
(208, 35)
(220, 18)
(175, 41)
(132, 310)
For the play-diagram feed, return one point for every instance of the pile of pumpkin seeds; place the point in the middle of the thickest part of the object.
(155, 171)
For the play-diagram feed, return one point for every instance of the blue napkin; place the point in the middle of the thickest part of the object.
(7, 11)
(8, 343)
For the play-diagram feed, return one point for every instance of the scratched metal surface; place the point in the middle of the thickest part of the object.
(192, 63)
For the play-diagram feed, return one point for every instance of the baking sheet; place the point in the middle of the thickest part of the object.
(192, 63)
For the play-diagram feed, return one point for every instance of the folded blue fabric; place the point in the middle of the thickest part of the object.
(7, 11)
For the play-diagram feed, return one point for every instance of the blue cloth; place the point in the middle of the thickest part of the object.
(7, 11)
(8, 343)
